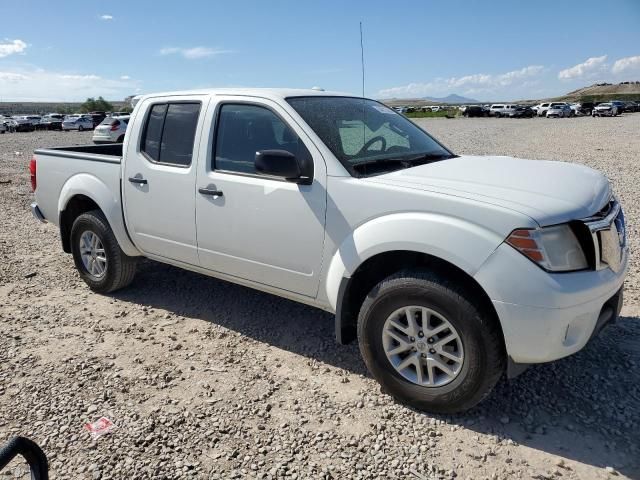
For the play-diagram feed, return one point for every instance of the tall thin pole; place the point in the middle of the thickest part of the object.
(362, 57)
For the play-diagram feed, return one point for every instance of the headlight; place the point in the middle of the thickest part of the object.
(553, 248)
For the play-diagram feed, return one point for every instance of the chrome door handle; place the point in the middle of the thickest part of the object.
(139, 181)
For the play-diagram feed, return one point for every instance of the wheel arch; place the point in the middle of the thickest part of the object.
(353, 290)
(84, 192)
(389, 244)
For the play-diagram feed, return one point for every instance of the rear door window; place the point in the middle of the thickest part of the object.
(170, 133)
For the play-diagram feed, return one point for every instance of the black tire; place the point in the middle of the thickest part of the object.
(484, 355)
(80, 128)
(120, 268)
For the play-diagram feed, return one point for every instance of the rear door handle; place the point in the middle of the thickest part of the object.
(209, 191)
(139, 181)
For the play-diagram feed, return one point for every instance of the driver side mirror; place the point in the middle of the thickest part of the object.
(284, 164)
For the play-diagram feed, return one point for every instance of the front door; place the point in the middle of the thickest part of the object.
(160, 177)
(254, 227)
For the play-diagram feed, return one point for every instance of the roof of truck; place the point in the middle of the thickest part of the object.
(278, 93)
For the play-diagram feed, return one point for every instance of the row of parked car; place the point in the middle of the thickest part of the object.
(551, 109)
(107, 127)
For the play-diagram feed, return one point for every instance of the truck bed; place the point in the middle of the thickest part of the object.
(111, 153)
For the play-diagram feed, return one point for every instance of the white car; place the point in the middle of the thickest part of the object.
(111, 130)
(607, 109)
(542, 108)
(448, 269)
(77, 122)
(502, 110)
(8, 123)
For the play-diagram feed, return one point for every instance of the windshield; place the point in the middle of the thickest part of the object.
(362, 132)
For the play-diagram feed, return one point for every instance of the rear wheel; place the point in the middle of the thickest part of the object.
(428, 344)
(80, 128)
(98, 258)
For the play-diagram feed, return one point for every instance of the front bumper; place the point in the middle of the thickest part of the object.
(35, 211)
(547, 316)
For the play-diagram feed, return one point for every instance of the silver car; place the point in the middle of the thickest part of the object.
(77, 122)
(606, 109)
(557, 111)
(111, 130)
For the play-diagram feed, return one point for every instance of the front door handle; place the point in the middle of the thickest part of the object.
(139, 181)
(209, 191)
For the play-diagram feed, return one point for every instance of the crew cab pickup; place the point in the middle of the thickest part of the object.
(448, 269)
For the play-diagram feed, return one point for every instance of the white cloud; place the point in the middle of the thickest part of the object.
(194, 52)
(11, 77)
(591, 66)
(125, 77)
(106, 17)
(11, 48)
(476, 83)
(625, 64)
(36, 84)
(79, 77)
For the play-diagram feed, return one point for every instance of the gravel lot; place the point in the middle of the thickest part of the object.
(205, 379)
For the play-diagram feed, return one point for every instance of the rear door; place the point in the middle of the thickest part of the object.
(259, 228)
(160, 174)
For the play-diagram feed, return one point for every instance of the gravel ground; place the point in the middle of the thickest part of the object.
(205, 379)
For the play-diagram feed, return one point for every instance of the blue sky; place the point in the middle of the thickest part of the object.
(489, 50)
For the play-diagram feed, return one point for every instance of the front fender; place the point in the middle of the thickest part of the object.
(462, 243)
(109, 202)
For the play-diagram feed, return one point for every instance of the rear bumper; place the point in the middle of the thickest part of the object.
(546, 316)
(35, 211)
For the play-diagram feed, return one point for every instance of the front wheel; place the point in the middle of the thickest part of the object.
(102, 264)
(429, 343)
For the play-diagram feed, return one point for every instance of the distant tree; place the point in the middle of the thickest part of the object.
(93, 105)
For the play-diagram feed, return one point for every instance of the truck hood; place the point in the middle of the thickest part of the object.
(548, 192)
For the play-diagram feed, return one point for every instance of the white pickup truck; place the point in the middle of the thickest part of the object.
(448, 269)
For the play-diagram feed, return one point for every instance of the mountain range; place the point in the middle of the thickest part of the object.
(453, 98)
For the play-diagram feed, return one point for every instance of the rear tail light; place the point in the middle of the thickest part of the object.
(115, 125)
(32, 173)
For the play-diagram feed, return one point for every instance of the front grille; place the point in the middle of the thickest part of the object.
(604, 238)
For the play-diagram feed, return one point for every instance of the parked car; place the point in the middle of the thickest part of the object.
(52, 121)
(619, 105)
(501, 110)
(3, 126)
(25, 123)
(582, 108)
(558, 111)
(80, 123)
(631, 107)
(605, 109)
(111, 130)
(474, 111)
(97, 117)
(543, 107)
(521, 112)
(118, 114)
(9, 123)
(444, 288)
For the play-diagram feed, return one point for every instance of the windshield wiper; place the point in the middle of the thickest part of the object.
(404, 162)
(428, 158)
